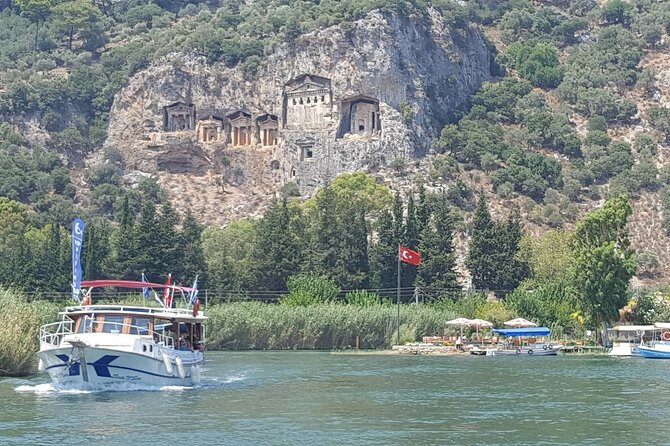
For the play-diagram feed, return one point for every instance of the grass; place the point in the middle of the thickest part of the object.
(20, 322)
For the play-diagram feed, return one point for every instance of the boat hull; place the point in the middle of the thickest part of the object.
(105, 366)
(553, 351)
(654, 352)
(624, 349)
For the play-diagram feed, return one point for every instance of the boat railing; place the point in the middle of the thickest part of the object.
(110, 309)
(159, 336)
(52, 334)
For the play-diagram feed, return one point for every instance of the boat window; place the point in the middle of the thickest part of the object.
(84, 325)
(139, 325)
(113, 322)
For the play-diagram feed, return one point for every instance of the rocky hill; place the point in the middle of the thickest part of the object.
(341, 99)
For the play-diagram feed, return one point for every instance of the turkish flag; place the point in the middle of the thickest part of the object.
(408, 256)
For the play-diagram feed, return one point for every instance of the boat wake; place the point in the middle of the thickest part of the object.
(73, 389)
(70, 389)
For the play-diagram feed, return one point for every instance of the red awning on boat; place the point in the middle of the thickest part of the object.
(130, 284)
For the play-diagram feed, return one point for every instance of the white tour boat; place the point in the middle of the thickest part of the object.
(626, 339)
(110, 344)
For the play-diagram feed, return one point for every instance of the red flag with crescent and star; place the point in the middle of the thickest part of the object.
(408, 256)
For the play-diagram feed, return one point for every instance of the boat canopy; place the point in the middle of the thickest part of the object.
(632, 328)
(130, 284)
(529, 331)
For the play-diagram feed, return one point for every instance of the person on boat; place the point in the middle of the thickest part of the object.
(183, 342)
(459, 343)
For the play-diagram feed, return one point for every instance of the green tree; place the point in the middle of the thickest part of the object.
(190, 244)
(352, 268)
(604, 260)
(617, 12)
(96, 248)
(230, 256)
(438, 256)
(37, 11)
(75, 15)
(482, 245)
(494, 260)
(279, 249)
(385, 253)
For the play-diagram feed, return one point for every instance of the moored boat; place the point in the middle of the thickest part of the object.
(628, 339)
(520, 348)
(658, 348)
(109, 344)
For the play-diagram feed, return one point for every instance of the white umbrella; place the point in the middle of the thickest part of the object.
(479, 323)
(458, 321)
(520, 323)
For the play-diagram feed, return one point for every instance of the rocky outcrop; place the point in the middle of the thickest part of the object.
(341, 99)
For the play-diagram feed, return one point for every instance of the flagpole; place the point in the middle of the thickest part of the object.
(398, 296)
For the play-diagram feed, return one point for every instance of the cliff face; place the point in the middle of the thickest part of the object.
(349, 97)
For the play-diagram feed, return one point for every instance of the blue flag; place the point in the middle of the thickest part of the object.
(194, 292)
(77, 242)
(145, 291)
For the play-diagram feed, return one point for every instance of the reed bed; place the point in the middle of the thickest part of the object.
(255, 325)
(20, 322)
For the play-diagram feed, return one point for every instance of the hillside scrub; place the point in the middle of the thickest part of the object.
(20, 322)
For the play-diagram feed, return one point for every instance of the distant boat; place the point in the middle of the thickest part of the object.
(658, 348)
(523, 349)
(628, 339)
(110, 344)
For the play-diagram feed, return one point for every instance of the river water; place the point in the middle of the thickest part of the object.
(309, 398)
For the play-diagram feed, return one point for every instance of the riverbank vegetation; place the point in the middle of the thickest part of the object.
(20, 321)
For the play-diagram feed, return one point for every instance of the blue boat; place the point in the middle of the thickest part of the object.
(527, 349)
(658, 349)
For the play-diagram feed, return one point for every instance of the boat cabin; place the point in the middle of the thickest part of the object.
(176, 328)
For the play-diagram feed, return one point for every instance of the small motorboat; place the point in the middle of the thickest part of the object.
(107, 344)
(525, 349)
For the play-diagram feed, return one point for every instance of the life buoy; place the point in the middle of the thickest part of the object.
(544, 347)
(530, 351)
(550, 346)
(196, 307)
(665, 335)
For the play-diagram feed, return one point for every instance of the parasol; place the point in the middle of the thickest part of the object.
(479, 323)
(458, 321)
(520, 323)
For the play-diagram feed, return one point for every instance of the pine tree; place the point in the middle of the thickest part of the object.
(96, 249)
(326, 237)
(352, 270)
(385, 253)
(190, 243)
(482, 246)
(493, 257)
(124, 243)
(422, 211)
(147, 258)
(438, 258)
(168, 256)
(279, 248)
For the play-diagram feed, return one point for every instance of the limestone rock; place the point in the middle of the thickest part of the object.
(337, 100)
